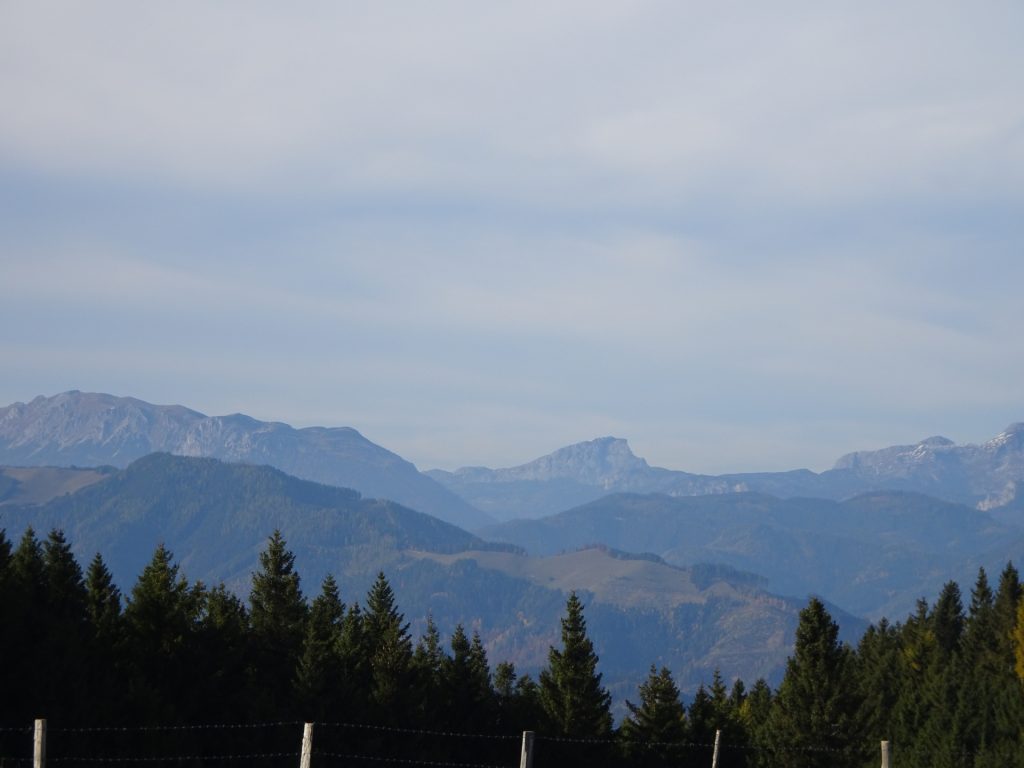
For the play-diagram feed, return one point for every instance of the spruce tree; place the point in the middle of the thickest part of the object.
(466, 684)
(518, 700)
(655, 729)
(755, 715)
(973, 725)
(878, 661)
(161, 622)
(571, 694)
(64, 683)
(815, 709)
(8, 636)
(389, 650)
(26, 611)
(224, 640)
(428, 661)
(278, 616)
(105, 644)
(319, 668)
(947, 620)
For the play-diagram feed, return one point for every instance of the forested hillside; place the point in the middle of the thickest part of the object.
(121, 677)
(215, 515)
(874, 554)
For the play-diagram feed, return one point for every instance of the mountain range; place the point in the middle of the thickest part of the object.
(91, 429)
(216, 518)
(874, 554)
(711, 554)
(984, 475)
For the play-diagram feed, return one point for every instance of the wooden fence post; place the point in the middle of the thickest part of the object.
(307, 746)
(714, 756)
(885, 754)
(39, 745)
(526, 758)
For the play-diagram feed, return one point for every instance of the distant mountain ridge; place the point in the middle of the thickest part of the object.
(92, 429)
(215, 517)
(984, 476)
(874, 554)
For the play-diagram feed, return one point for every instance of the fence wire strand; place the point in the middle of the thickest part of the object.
(156, 728)
(403, 761)
(420, 731)
(10, 760)
(171, 758)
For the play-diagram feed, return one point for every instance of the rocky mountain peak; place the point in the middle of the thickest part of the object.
(604, 462)
(937, 442)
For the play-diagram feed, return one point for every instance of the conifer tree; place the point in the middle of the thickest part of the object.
(105, 644)
(224, 635)
(947, 620)
(466, 685)
(319, 667)
(973, 725)
(64, 683)
(878, 666)
(389, 650)
(518, 700)
(655, 729)
(701, 718)
(102, 602)
(428, 661)
(160, 619)
(754, 714)
(8, 637)
(278, 616)
(27, 592)
(574, 701)
(1008, 597)
(816, 705)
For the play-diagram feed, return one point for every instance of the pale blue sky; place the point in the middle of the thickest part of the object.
(744, 236)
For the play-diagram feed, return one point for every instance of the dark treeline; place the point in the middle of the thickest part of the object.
(944, 686)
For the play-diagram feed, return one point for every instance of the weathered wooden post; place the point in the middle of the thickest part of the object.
(307, 746)
(39, 745)
(526, 758)
(885, 754)
(714, 756)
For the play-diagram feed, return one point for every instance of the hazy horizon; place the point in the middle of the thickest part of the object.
(743, 238)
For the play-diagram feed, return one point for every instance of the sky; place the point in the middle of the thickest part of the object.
(744, 236)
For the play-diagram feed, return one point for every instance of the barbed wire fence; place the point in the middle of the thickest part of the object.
(279, 744)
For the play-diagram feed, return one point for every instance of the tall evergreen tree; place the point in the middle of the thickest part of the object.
(815, 709)
(104, 645)
(27, 601)
(224, 633)
(389, 650)
(574, 701)
(8, 634)
(161, 621)
(466, 684)
(973, 725)
(319, 670)
(428, 661)
(278, 616)
(947, 620)
(755, 715)
(655, 729)
(878, 668)
(64, 683)
(518, 700)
